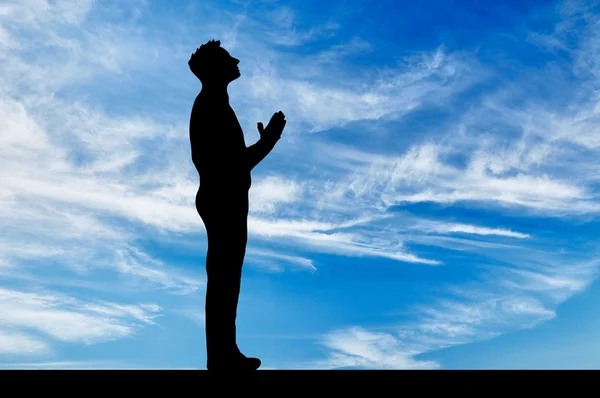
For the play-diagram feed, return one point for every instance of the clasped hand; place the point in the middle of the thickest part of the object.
(274, 128)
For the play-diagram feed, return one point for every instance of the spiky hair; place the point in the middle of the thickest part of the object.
(200, 59)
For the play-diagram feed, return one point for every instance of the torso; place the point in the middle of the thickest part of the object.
(209, 118)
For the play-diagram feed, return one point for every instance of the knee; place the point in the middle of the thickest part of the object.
(226, 259)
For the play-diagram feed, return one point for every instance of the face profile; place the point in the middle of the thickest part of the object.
(213, 65)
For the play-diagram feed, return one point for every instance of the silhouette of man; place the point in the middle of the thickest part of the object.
(224, 164)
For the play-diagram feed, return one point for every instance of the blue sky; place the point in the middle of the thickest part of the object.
(432, 203)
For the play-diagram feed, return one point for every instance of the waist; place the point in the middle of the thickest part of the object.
(237, 182)
(222, 190)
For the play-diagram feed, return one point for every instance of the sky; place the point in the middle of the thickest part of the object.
(432, 203)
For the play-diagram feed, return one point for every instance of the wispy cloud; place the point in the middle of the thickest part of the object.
(284, 28)
(268, 193)
(64, 318)
(83, 365)
(521, 292)
(12, 343)
(539, 163)
(274, 261)
(317, 104)
(85, 179)
(360, 349)
(196, 315)
(448, 228)
(84, 165)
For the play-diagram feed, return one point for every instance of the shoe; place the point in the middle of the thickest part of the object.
(239, 363)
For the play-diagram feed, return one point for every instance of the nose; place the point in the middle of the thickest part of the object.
(237, 61)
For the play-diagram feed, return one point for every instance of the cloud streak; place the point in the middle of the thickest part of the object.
(88, 176)
(63, 318)
(537, 163)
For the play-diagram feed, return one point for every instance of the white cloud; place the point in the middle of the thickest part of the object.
(133, 261)
(420, 176)
(303, 234)
(283, 17)
(108, 181)
(508, 299)
(284, 30)
(271, 191)
(452, 323)
(72, 167)
(358, 348)
(355, 45)
(273, 260)
(446, 228)
(12, 343)
(62, 365)
(316, 104)
(63, 318)
(194, 314)
(84, 365)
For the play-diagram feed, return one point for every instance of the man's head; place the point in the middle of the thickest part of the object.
(212, 64)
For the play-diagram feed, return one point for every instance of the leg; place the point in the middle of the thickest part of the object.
(227, 237)
(224, 271)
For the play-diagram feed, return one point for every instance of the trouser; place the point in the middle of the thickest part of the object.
(225, 219)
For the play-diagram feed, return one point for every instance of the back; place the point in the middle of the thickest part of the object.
(217, 145)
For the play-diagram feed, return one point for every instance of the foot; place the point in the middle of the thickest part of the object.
(239, 362)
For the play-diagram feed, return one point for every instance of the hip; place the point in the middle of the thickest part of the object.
(225, 202)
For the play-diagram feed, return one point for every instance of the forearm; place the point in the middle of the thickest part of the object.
(258, 151)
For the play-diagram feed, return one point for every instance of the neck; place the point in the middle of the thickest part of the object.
(218, 92)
